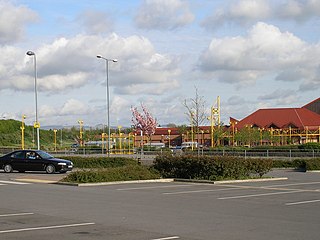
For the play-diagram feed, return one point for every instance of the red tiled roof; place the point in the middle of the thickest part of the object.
(282, 118)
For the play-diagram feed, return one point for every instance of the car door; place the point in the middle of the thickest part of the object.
(17, 161)
(34, 161)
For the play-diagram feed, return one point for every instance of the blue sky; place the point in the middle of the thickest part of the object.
(252, 53)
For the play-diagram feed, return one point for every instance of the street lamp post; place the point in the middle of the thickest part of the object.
(107, 96)
(22, 131)
(169, 132)
(55, 139)
(81, 132)
(36, 124)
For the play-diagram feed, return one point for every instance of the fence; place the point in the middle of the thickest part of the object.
(268, 153)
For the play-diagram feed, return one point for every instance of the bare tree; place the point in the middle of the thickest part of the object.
(196, 112)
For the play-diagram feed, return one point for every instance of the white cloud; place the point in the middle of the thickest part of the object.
(163, 14)
(74, 107)
(250, 11)
(299, 10)
(95, 22)
(71, 63)
(240, 12)
(13, 20)
(265, 51)
(281, 96)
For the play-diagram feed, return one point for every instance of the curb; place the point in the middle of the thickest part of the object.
(231, 181)
(31, 180)
(115, 183)
(170, 180)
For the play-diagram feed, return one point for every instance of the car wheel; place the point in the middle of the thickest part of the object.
(8, 168)
(50, 169)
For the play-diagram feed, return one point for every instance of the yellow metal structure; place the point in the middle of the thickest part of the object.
(22, 131)
(55, 139)
(215, 119)
(81, 132)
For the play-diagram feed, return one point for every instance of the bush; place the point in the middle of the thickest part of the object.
(99, 162)
(125, 173)
(297, 164)
(210, 167)
(308, 146)
(302, 164)
(312, 164)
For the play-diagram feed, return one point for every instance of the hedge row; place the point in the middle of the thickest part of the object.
(210, 167)
(301, 164)
(125, 173)
(99, 162)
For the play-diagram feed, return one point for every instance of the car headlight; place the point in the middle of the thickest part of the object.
(62, 164)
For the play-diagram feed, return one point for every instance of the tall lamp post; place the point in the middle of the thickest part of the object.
(107, 96)
(22, 131)
(55, 139)
(81, 132)
(36, 124)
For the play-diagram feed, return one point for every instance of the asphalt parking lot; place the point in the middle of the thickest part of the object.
(285, 209)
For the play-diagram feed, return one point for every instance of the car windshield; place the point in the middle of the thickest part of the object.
(44, 155)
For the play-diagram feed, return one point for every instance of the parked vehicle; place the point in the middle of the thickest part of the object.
(185, 145)
(33, 160)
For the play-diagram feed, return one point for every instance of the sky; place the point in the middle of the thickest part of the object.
(252, 53)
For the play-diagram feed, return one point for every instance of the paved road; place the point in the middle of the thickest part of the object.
(286, 210)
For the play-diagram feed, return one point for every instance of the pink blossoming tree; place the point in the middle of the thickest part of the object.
(144, 121)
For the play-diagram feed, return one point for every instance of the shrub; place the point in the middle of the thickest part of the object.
(210, 167)
(307, 146)
(312, 164)
(125, 173)
(99, 162)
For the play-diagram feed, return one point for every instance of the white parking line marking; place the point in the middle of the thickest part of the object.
(199, 191)
(11, 182)
(15, 214)
(138, 188)
(44, 228)
(293, 184)
(259, 195)
(304, 202)
(167, 238)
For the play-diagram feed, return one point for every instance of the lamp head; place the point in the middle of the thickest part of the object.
(114, 60)
(99, 56)
(30, 53)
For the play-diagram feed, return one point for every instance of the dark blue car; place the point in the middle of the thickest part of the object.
(33, 160)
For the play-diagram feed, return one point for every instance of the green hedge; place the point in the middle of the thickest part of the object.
(210, 167)
(308, 146)
(301, 164)
(99, 162)
(125, 173)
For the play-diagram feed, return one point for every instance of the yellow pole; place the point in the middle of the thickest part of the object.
(129, 144)
(169, 131)
(55, 139)
(22, 131)
(120, 146)
(192, 139)
(307, 131)
(81, 132)
(212, 132)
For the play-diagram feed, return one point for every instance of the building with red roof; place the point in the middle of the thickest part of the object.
(282, 118)
(273, 126)
(300, 124)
